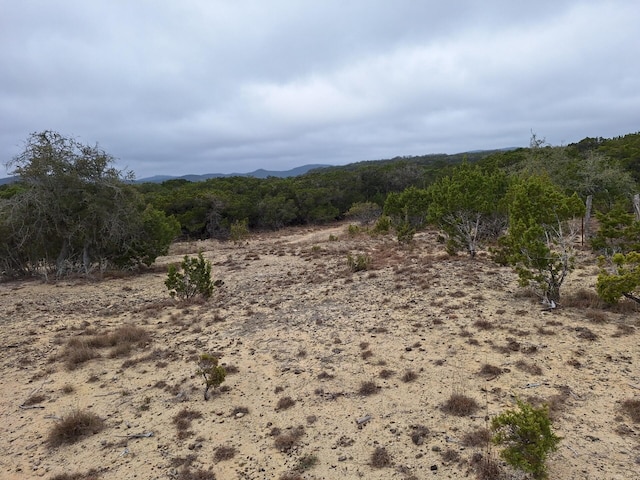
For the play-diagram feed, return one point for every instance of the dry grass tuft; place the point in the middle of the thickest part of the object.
(477, 438)
(368, 388)
(632, 408)
(530, 368)
(284, 442)
(90, 475)
(74, 427)
(489, 371)
(223, 453)
(380, 458)
(460, 405)
(284, 403)
(409, 376)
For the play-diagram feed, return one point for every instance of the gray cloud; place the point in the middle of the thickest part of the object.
(215, 86)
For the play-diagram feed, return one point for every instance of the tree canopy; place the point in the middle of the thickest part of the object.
(74, 210)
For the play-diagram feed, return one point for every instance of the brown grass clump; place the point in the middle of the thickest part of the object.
(582, 299)
(368, 388)
(460, 405)
(380, 458)
(477, 438)
(90, 475)
(224, 453)
(386, 373)
(489, 371)
(285, 403)
(530, 368)
(632, 408)
(74, 427)
(449, 455)
(409, 376)
(486, 467)
(286, 441)
(182, 420)
(34, 400)
(77, 352)
(483, 325)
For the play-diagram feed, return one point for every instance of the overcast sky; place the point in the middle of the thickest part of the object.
(202, 86)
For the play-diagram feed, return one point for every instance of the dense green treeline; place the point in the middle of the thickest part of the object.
(608, 169)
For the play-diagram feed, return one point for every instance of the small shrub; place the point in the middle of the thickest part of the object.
(527, 436)
(239, 231)
(460, 405)
(380, 458)
(386, 373)
(195, 279)
(74, 427)
(212, 374)
(353, 230)
(382, 226)
(358, 263)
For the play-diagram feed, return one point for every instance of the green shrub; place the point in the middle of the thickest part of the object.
(195, 278)
(527, 436)
(383, 225)
(239, 231)
(405, 232)
(212, 374)
(358, 263)
(353, 230)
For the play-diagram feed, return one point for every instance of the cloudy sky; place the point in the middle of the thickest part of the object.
(201, 86)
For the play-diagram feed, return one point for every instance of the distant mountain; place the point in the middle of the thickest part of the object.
(4, 181)
(260, 173)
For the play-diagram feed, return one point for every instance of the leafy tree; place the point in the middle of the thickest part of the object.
(539, 240)
(527, 436)
(74, 210)
(464, 206)
(624, 282)
(195, 278)
(212, 374)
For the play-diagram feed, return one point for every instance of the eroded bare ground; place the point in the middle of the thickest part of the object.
(312, 350)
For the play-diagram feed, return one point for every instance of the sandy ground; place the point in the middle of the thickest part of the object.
(292, 321)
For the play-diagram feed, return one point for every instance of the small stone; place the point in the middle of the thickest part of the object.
(434, 468)
(239, 415)
(342, 458)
